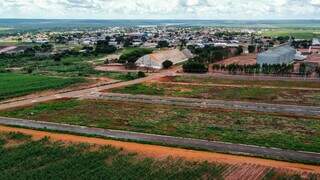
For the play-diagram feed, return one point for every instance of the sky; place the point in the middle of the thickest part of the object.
(160, 9)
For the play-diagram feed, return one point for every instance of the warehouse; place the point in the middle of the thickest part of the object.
(283, 54)
(156, 59)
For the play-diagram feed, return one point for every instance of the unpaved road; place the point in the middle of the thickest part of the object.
(248, 77)
(207, 103)
(215, 146)
(161, 152)
(83, 92)
(236, 86)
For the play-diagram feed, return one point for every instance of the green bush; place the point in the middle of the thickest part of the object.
(167, 64)
(141, 74)
(134, 55)
(194, 67)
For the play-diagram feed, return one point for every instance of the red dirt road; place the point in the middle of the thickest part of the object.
(161, 152)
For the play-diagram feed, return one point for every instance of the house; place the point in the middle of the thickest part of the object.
(156, 59)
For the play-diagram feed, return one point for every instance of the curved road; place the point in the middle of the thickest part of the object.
(239, 149)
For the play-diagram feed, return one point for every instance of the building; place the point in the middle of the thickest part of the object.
(156, 59)
(283, 54)
(316, 42)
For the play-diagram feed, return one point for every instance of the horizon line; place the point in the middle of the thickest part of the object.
(159, 19)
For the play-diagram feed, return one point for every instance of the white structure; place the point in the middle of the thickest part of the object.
(315, 42)
(283, 54)
(156, 59)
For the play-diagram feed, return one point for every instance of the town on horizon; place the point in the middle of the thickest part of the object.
(91, 89)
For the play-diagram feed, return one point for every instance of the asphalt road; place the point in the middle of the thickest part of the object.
(206, 103)
(238, 149)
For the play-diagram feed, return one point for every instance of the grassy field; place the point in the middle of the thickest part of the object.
(23, 158)
(250, 94)
(213, 80)
(129, 50)
(13, 85)
(297, 33)
(270, 130)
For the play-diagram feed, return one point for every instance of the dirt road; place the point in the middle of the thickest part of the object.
(236, 86)
(83, 92)
(207, 103)
(161, 152)
(215, 146)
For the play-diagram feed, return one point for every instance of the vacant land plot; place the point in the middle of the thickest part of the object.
(270, 130)
(13, 85)
(261, 83)
(249, 94)
(247, 59)
(23, 158)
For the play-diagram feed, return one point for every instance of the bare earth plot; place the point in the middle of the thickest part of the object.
(240, 127)
(247, 59)
(230, 167)
(270, 92)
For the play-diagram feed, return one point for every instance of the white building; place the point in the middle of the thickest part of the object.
(156, 59)
(283, 54)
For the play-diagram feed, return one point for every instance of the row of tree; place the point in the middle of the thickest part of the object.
(255, 69)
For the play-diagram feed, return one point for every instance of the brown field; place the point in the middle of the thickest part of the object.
(223, 92)
(246, 59)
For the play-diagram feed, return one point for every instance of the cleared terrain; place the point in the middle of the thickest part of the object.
(244, 127)
(275, 92)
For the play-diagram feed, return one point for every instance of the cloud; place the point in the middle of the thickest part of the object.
(160, 9)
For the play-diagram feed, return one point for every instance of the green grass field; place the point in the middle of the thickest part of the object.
(249, 94)
(13, 85)
(23, 158)
(297, 33)
(270, 130)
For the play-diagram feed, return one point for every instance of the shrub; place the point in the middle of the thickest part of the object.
(163, 44)
(141, 74)
(134, 55)
(194, 67)
(251, 49)
(167, 64)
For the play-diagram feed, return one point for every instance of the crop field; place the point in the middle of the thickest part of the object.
(13, 85)
(248, 94)
(24, 158)
(262, 129)
(297, 33)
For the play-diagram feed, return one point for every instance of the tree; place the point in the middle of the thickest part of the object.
(57, 58)
(251, 48)
(141, 74)
(127, 43)
(192, 66)
(163, 44)
(134, 55)
(104, 47)
(167, 64)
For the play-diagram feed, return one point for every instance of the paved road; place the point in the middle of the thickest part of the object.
(238, 149)
(205, 103)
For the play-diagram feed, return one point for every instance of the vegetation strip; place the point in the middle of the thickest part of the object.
(193, 102)
(279, 154)
(13, 139)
